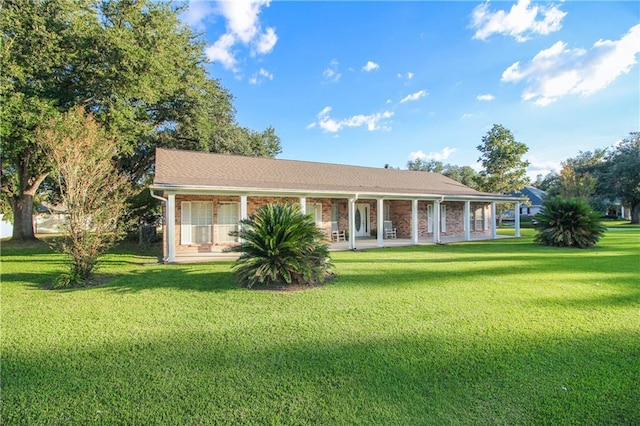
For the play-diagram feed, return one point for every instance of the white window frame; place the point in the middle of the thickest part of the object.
(443, 218)
(190, 225)
(223, 228)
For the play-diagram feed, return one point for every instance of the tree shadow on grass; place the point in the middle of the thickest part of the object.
(227, 377)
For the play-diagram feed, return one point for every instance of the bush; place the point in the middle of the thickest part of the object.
(568, 223)
(281, 246)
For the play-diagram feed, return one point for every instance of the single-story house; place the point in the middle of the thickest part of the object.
(205, 196)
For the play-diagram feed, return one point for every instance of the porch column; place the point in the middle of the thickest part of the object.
(243, 207)
(466, 217)
(303, 205)
(352, 223)
(516, 219)
(414, 221)
(380, 222)
(494, 231)
(436, 221)
(171, 228)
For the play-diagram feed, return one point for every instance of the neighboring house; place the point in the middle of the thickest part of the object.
(49, 219)
(206, 195)
(536, 198)
(6, 228)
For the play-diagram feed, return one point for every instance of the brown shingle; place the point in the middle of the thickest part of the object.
(192, 168)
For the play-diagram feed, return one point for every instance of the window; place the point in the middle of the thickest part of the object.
(478, 219)
(315, 210)
(443, 218)
(334, 213)
(387, 211)
(227, 222)
(196, 222)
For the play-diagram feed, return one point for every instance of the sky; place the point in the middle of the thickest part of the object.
(372, 83)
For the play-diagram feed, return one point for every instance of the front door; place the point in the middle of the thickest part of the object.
(362, 220)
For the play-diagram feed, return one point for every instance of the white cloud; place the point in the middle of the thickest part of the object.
(197, 13)
(486, 97)
(414, 96)
(466, 115)
(260, 76)
(243, 27)
(370, 66)
(220, 51)
(559, 70)
(538, 166)
(520, 22)
(266, 42)
(372, 121)
(437, 156)
(331, 73)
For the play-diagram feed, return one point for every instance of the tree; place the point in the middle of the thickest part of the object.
(568, 222)
(466, 175)
(132, 64)
(504, 170)
(421, 165)
(92, 189)
(622, 178)
(281, 246)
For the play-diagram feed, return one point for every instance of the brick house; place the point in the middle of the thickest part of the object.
(205, 196)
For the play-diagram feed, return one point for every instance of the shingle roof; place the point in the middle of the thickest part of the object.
(217, 171)
(535, 195)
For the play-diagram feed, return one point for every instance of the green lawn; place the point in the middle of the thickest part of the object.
(498, 332)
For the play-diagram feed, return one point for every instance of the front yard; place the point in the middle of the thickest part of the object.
(496, 332)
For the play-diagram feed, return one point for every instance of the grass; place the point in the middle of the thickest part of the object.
(499, 332)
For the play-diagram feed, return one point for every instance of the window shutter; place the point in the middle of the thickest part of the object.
(185, 223)
(485, 216)
(430, 218)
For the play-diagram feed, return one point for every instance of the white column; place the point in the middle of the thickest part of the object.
(414, 221)
(516, 219)
(436, 221)
(303, 205)
(466, 217)
(243, 207)
(171, 228)
(494, 231)
(352, 223)
(380, 222)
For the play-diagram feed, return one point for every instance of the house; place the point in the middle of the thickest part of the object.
(205, 196)
(536, 198)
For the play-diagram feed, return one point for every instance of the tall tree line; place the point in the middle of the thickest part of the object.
(132, 64)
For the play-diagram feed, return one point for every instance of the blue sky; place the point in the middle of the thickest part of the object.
(375, 83)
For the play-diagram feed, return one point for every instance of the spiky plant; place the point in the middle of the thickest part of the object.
(568, 222)
(280, 246)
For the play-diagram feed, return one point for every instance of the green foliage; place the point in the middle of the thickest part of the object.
(466, 175)
(132, 64)
(281, 246)
(504, 170)
(92, 190)
(622, 178)
(568, 223)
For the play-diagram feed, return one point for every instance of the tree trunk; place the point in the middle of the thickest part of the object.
(23, 217)
(635, 213)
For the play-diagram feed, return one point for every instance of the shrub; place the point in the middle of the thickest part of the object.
(281, 246)
(568, 223)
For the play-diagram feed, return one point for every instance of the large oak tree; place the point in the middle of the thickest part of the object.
(131, 64)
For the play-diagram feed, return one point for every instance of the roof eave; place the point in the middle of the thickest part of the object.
(287, 192)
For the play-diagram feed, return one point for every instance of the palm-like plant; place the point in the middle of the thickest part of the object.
(568, 223)
(281, 246)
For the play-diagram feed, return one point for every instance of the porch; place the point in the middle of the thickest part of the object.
(218, 254)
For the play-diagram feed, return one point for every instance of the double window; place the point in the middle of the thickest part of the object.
(197, 222)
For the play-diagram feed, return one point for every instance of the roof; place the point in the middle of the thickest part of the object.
(192, 170)
(535, 195)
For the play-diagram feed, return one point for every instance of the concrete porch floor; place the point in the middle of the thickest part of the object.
(361, 244)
